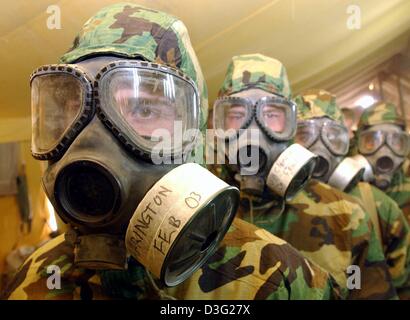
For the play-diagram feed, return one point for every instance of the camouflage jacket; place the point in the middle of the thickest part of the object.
(389, 222)
(330, 228)
(250, 264)
(399, 191)
(406, 167)
(393, 227)
(386, 113)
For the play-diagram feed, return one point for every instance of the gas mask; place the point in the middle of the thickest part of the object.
(384, 147)
(329, 140)
(256, 128)
(104, 124)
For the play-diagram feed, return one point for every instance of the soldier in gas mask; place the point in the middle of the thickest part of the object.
(325, 224)
(321, 129)
(98, 118)
(382, 147)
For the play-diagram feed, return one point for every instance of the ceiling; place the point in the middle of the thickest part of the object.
(309, 36)
(389, 80)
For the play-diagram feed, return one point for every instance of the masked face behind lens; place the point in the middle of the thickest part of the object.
(328, 140)
(257, 128)
(114, 142)
(385, 147)
(140, 107)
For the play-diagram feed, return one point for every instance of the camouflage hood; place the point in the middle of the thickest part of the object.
(318, 103)
(380, 113)
(134, 32)
(256, 71)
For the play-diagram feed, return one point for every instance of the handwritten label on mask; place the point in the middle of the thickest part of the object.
(165, 210)
(286, 167)
(144, 218)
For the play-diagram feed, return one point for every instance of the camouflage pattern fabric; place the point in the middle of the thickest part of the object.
(30, 283)
(250, 264)
(131, 31)
(399, 191)
(406, 167)
(330, 228)
(395, 231)
(318, 103)
(379, 113)
(282, 272)
(255, 71)
(327, 226)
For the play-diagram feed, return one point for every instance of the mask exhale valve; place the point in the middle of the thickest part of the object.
(180, 222)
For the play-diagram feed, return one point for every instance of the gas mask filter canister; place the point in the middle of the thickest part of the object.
(291, 171)
(178, 224)
(347, 174)
(271, 124)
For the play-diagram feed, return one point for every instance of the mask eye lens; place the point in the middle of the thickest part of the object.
(399, 142)
(146, 114)
(274, 117)
(337, 138)
(306, 135)
(231, 115)
(148, 102)
(370, 141)
(234, 116)
(152, 108)
(56, 103)
(277, 116)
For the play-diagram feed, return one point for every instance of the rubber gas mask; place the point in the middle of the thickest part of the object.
(329, 140)
(384, 147)
(257, 128)
(118, 136)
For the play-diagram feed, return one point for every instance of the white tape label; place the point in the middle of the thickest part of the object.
(165, 210)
